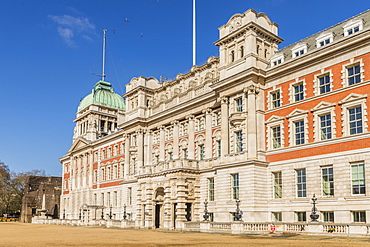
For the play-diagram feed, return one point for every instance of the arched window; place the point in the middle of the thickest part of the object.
(232, 56)
(258, 50)
(241, 51)
(265, 53)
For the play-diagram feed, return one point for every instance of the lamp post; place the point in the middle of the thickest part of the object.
(110, 212)
(124, 212)
(206, 215)
(314, 216)
(238, 213)
(79, 216)
(102, 213)
(64, 214)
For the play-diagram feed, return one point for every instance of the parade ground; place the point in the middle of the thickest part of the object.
(21, 234)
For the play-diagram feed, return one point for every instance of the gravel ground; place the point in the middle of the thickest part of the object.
(22, 234)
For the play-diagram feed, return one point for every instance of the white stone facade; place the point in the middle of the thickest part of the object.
(215, 134)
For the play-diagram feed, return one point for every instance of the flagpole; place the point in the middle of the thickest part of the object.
(194, 35)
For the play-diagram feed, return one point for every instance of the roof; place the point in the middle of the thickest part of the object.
(103, 94)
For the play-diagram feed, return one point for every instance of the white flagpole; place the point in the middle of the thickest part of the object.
(194, 35)
(104, 45)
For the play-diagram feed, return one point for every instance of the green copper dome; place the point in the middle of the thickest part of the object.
(103, 95)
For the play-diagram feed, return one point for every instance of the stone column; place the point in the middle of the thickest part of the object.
(224, 127)
(140, 148)
(161, 143)
(181, 203)
(127, 155)
(191, 137)
(208, 141)
(175, 140)
(252, 123)
(148, 147)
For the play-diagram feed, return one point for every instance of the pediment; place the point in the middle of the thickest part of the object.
(353, 97)
(79, 144)
(274, 118)
(296, 112)
(323, 105)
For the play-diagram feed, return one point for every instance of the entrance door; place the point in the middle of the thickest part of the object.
(157, 215)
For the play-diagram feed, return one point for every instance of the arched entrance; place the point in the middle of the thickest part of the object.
(159, 198)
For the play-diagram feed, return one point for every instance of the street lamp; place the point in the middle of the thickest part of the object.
(64, 214)
(80, 214)
(124, 212)
(110, 212)
(205, 216)
(238, 213)
(102, 213)
(314, 216)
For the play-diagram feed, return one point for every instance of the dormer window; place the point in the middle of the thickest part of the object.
(353, 27)
(299, 50)
(324, 39)
(277, 59)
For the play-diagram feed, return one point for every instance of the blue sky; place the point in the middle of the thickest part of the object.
(49, 48)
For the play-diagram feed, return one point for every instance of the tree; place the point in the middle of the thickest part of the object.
(12, 188)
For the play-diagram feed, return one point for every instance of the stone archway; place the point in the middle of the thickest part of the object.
(158, 206)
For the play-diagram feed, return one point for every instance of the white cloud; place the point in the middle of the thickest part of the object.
(70, 26)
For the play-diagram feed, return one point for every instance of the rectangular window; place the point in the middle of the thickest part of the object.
(115, 198)
(276, 216)
(275, 99)
(353, 30)
(129, 196)
(359, 216)
(324, 84)
(328, 216)
(276, 137)
(109, 199)
(327, 181)
(218, 118)
(299, 132)
(355, 120)
(325, 127)
(201, 152)
(324, 42)
(298, 53)
(218, 148)
(235, 186)
(278, 185)
(102, 199)
(211, 189)
(358, 179)
(354, 74)
(239, 104)
(301, 182)
(184, 153)
(239, 141)
(298, 92)
(301, 216)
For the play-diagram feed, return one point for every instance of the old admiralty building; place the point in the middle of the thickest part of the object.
(258, 129)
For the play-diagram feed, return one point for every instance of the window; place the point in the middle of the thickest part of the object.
(218, 148)
(324, 84)
(352, 30)
(328, 216)
(185, 153)
(325, 127)
(354, 74)
(275, 99)
(239, 104)
(239, 141)
(170, 154)
(108, 199)
(324, 42)
(299, 132)
(298, 53)
(359, 216)
(276, 216)
(211, 189)
(102, 199)
(129, 196)
(115, 198)
(301, 216)
(201, 152)
(301, 182)
(279, 61)
(327, 181)
(298, 92)
(358, 179)
(115, 169)
(276, 137)
(235, 186)
(278, 185)
(218, 118)
(355, 120)
(232, 56)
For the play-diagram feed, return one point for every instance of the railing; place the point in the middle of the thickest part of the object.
(220, 225)
(192, 225)
(258, 227)
(295, 227)
(335, 228)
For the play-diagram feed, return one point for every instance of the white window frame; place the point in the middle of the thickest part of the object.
(351, 101)
(316, 81)
(300, 48)
(298, 183)
(328, 181)
(292, 91)
(272, 100)
(351, 25)
(324, 37)
(352, 179)
(277, 59)
(345, 68)
(323, 108)
(295, 116)
(272, 122)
